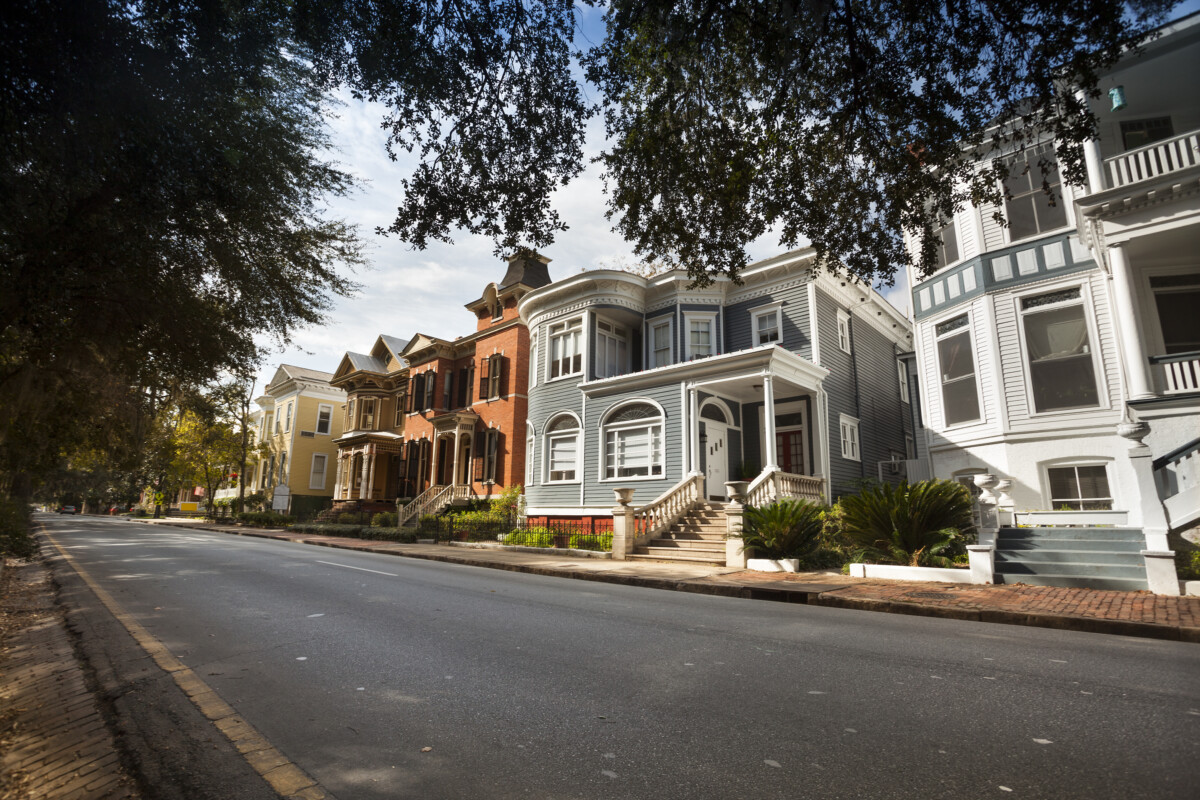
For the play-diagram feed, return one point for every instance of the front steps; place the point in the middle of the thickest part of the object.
(697, 538)
(1095, 558)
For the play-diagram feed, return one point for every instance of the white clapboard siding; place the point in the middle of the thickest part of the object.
(968, 242)
(1007, 329)
(993, 233)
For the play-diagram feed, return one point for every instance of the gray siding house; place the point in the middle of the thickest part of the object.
(796, 375)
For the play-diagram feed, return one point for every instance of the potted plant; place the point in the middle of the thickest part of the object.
(782, 533)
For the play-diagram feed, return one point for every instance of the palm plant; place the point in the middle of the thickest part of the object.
(914, 524)
(787, 528)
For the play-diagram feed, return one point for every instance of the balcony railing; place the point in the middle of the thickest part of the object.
(1153, 160)
(1180, 372)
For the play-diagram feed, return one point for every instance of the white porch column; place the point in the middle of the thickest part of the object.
(457, 443)
(1091, 157)
(433, 460)
(337, 482)
(1133, 349)
(772, 458)
(366, 466)
(370, 483)
(694, 428)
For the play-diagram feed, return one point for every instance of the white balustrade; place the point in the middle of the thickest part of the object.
(659, 515)
(1153, 160)
(1181, 373)
(772, 484)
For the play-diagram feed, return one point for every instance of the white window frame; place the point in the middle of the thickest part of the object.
(700, 316)
(287, 425)
(970, 329)
(651, 326)
(530, 452)
(548, 440)
(619, 335)
(533, 360)
(1085, 301)
(324, 408)
(1032, 155)
(850, 439)
(757, 315)
(312, 472)
(567, 330)
(843, 329)
(902, 375)
(910, 446)
(657, 455)
(1075, 464)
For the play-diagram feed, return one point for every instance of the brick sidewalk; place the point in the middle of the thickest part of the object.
(53, 740)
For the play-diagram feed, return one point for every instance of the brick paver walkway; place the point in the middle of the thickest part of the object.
(53, 741)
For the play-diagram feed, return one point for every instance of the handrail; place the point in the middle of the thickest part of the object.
(668, 508)
(774, 483)
(1174, 357)
(421, 503)
(1154, 159)
(1176, 454)
(1181, 372)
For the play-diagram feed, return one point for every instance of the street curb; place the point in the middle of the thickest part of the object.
(1144, 630)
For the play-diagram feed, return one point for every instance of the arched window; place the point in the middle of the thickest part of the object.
(633, 446)
(714, 412)
(562, 449)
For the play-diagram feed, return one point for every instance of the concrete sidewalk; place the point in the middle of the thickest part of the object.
(1091, 610)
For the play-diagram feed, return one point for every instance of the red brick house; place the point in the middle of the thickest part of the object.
(437, 421)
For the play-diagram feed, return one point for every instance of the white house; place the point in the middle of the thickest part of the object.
(1062, 352)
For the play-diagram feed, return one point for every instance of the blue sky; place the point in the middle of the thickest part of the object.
(406, 291)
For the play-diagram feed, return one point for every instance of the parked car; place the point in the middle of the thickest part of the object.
(68, 510)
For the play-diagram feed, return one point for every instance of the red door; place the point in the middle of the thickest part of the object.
(789, 446)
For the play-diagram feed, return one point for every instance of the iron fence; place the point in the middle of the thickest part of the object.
(566, 534)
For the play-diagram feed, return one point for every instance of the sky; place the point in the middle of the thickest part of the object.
(406, 291)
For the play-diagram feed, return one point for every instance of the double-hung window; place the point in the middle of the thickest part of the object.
(530, 472)
(1079, 488)
(766, 325)
(701, 335)
(956, 362)
(849, 427)
(562, 449)
(1062, 371)
(350, 418)
(566, 348)
(324, 418)
(843, 330)
(533, 361)
(283, 468)
(430, 381)
(902, 376)
(660, 343)
(947, 246)
(491, 455)
(367, 413)
(612, 349)
(287, 426)
(316, 479)
(1028, 209)
(633, 442)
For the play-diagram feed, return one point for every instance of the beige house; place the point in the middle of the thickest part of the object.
(299, 420)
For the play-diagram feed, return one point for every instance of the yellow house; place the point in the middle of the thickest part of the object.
(300, 419)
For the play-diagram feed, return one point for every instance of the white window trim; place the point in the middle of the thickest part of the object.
(530, 452)
(533, 360)
(937, 376)
(1067, 463)
(902, 376)
(548, 437)
(1085, 300)
(847, 423)
(312, 471)
(694, 316)
(627, 366)
(317, 428)
(758, 313)
(287, 424)
(651, 324)
(843, 325)
(1064, 197)
(605, 427)
(583, 343)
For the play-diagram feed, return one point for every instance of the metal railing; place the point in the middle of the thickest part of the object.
(1181, 372)
(1153, 160)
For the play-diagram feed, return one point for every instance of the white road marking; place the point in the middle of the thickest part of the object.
(360, 569)
(302, 658)
(771, 763)
(1043, 741)
(314, 616)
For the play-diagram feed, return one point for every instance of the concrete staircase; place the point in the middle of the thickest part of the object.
(1097, 558)
(697, 538)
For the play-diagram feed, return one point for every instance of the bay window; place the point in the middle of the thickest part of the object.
(1062, 373)
(566, 348)
(612, 349)
(956, 362)
(1028, 209)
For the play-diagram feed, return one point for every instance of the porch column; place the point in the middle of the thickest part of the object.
(457, 443)
(1133, 349)
(694, 428)
(433, 461)
(1091, 157)
(769, 424)
(337, 482)
(362, 485)
(371, 476)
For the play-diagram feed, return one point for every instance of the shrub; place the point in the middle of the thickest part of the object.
(1187, 565)
(787, 528)
(14, 530)
(265, 519)
(921, 524)
(384, 519)
(531, 537)
(327, 529)
(349, 518)
(507, 504)
(391, 534)
(601, 542)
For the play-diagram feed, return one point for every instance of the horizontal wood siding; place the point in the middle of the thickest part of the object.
(739, 329)
(546, 400)
(968, 241)
(841, 389)
(993, 231)
(885, 419)
(600, 493)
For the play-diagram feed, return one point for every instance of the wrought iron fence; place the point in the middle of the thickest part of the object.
(566, 534)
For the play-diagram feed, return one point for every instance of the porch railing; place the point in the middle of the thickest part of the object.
(431, 501)
(1178, 477)
(774, 483)
(659, 515)
(1153, 160)
(1181, 372)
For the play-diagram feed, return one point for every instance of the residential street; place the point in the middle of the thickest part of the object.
(391, 678)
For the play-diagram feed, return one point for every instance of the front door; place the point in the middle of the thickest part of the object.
(789, 448)
(716, 459)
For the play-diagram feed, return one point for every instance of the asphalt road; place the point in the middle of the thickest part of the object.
(527, 686)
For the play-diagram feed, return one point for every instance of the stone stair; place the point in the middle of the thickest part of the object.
(697, 538)
(1096, 558)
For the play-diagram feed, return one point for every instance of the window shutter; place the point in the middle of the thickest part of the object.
(498, 458)
(463, 378)
(485, 365)
(430, 382)
(413, 401)
(502, 368)
(448, 390)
